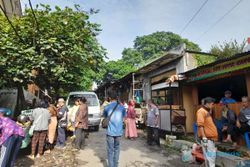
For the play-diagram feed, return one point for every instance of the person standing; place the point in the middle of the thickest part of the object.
(52, 126)
(72, 116)
(81, 124)
(124, 104)
(10, 139)
(114, 130)
(207, 131)
(153, 124)
(62, 123)
(130, 130)
(41, 118)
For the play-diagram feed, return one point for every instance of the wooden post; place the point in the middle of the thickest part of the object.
(247, 75)
(195, 96)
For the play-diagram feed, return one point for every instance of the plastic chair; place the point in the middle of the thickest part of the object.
(247, 140)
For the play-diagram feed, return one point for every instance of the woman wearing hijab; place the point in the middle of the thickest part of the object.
(131, 131)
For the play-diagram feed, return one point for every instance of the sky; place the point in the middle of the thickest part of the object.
(123, 20)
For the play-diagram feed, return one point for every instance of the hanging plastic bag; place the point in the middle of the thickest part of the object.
(187, 155)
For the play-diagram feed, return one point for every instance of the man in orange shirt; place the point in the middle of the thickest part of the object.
(207, 131)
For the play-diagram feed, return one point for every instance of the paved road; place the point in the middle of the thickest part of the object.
(133, 154)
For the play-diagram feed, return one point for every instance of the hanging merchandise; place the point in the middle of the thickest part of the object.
(138, 97)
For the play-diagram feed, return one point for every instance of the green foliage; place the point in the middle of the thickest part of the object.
(204, 59)
(227, 49)
(149, 47)
(221, 50)
(61, 46)
(132, 57)
(116, 69)
(146, 49)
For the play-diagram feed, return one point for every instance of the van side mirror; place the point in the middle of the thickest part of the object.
(6, 111)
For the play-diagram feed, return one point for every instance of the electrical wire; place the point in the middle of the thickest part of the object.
(220, 19)
(33, 13)
(193, 17)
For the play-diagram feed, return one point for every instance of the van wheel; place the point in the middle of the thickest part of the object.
(97, 128)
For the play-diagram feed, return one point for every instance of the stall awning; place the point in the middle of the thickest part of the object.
(238, 62)
(164, 85)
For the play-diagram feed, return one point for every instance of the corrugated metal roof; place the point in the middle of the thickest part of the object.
(168, 58)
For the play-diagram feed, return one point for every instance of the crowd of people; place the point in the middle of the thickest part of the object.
(49, 124)
(233, 125)
(120, 114)
(148, 115)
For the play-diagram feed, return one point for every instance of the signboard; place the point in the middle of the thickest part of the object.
(220, 69)
(164, 85)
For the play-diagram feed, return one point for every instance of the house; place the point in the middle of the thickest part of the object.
(149, 82)
(11, 7)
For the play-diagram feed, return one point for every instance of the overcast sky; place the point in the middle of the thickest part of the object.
(123, 20)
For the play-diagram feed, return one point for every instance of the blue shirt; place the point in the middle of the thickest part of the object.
(115, 127)
(227, 100)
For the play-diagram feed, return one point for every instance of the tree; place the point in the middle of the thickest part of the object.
(132, 57)
(116, 69)
(146, 48)
(60, 45)
(227, 49)
(149, 47)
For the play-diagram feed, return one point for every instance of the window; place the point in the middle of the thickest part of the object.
(169, 96)
(91, 99)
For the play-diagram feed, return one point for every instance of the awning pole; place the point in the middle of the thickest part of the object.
(170, 108)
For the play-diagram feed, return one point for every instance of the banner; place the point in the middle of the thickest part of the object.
(220, 69)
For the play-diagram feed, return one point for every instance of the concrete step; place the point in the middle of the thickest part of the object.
(228, 159)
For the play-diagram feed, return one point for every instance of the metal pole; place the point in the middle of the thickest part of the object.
(105, 92)
(170, 108)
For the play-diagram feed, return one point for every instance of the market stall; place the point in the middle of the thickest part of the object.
(172, 114)
(212, 80)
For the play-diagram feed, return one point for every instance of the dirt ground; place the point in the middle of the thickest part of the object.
(133, 154)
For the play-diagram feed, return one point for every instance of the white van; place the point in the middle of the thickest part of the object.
(93, 106)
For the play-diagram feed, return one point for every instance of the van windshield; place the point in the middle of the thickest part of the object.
(91, 99)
